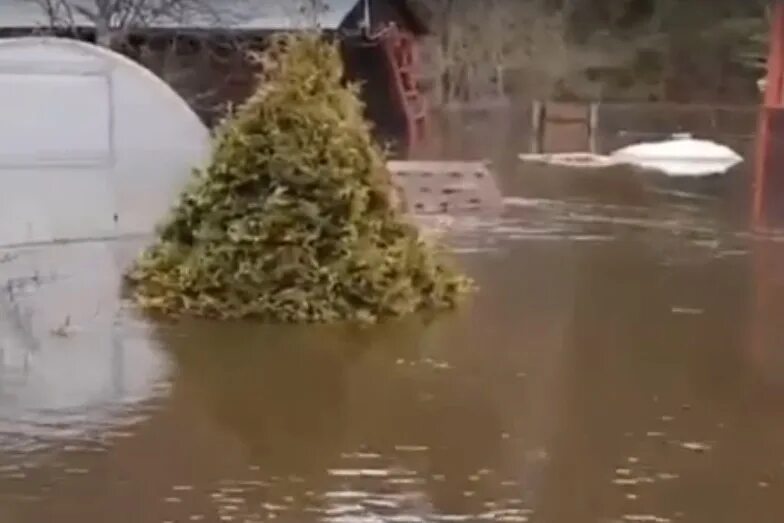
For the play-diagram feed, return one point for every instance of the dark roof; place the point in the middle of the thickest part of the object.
(216, 14)
(233, 15)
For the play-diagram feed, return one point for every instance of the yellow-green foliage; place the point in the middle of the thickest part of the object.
(292, 220)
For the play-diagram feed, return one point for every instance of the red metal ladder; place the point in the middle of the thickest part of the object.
(401, 51)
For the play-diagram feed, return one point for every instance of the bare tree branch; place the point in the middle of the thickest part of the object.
(113, 20)
(201, 67)
(494, 49)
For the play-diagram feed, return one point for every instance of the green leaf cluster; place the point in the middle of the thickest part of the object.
(293, 221)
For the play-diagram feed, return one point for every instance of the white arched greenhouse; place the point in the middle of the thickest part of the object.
(93, 148)
(92, 144)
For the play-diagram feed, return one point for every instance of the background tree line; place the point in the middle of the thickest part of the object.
(491, 51)
(680, 50)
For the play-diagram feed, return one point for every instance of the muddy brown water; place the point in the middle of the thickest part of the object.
(624, 361)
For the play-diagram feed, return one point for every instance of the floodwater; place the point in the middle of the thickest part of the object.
(623, 362)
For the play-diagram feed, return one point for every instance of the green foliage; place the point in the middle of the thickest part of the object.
(292, 221)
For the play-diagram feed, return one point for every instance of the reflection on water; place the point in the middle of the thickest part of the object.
(622, 363)
(70, 366)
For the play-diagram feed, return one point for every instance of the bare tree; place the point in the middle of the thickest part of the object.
(192, 63)
(488, 51)
(114, 19)
(207, 68)
(479, 43)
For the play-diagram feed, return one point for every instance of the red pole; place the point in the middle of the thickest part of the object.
(773, 90)
(773, 101)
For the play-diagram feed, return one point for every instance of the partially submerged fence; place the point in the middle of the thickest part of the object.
(599, 127)
(502, 133)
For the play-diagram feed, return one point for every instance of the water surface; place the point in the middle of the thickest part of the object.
(623, 362)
